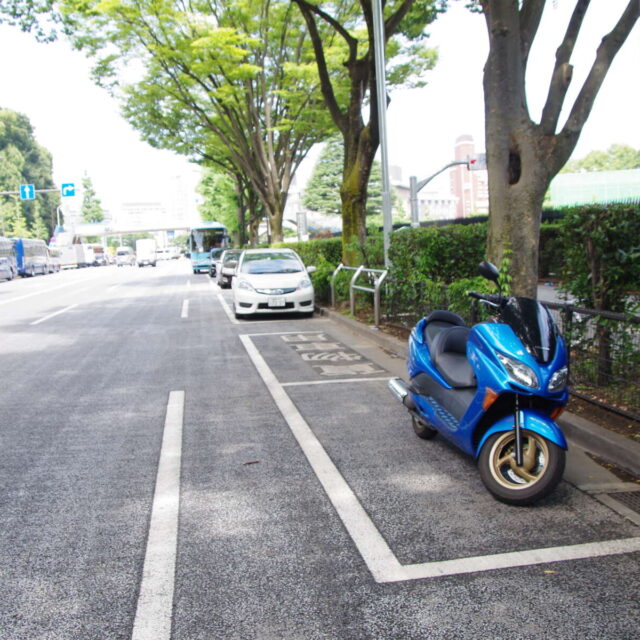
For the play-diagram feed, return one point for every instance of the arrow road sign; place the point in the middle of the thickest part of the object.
(27, 192)
(68, 189)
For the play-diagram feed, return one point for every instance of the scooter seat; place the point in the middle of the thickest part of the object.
(438, 320)
(449, 355)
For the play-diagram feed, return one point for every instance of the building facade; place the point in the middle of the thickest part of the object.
(471, 188)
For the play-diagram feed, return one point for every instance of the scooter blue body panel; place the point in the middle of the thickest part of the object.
(483, 343)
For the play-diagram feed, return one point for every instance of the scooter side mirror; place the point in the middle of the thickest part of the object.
(489, 271)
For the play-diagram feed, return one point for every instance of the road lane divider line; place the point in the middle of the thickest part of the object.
(374, 550)
(41, 291)
(185, 309)
(52, 315)
(155, 600)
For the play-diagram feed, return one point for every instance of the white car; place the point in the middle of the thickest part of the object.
(272, 281)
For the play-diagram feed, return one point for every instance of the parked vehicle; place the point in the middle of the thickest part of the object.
(272, 281)
(206, 236)
(494, 391)
(54, 260)
(32, 256)
(216, 254)
(99, 256)
(125, 257)
(89, 255)
(70, 250)
(227, 267)
(8, 262)
(146, 252)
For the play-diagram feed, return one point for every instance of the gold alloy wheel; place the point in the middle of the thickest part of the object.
(502, 460)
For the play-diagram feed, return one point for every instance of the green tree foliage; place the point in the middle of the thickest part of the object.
(220, 200)
(91, 208)
(24, 161)
(37, 16)
(322, 192)
(615, 158)
(230, 82)
(343, 37)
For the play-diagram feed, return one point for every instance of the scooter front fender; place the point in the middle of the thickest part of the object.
(531, 420)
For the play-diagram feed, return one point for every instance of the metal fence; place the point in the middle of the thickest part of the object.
(604, 347)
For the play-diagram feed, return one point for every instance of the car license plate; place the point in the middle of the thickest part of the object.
(274, 301)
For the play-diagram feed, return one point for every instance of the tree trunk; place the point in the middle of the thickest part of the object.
(523, 157)
(358, 160)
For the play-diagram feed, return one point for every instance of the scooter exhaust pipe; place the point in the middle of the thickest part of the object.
(400, 390)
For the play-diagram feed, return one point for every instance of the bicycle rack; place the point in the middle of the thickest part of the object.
(376, 276)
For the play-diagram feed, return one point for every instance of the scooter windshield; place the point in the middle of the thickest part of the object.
(533, 324)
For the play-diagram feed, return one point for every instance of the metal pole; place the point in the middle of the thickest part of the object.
(415, 211)
(379, 42)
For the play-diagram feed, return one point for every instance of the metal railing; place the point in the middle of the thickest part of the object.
(375, 278)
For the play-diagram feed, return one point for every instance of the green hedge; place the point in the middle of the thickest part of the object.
(443, 254)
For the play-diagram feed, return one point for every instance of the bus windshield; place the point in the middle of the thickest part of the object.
(204, 238)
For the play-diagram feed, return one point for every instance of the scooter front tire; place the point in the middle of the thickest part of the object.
(422, 429)
(542, 469)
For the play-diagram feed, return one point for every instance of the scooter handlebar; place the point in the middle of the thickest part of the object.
(492, 298)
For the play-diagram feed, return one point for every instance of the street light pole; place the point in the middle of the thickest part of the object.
(381, 93)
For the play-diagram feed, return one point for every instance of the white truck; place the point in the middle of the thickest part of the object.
(146, 252)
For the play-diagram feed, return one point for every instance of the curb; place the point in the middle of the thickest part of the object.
(599, 441)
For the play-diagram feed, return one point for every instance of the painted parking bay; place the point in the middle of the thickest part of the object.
(414, 509)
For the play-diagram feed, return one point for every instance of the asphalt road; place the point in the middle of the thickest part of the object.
(171, 472)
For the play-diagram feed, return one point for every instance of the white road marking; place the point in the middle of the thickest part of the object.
(52, 315)
(377, 555)
(303, 383)
(43, 290)
(185, 309)
(372, 546)
(155, 600)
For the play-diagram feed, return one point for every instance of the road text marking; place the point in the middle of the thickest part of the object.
(155, 601)
(377, 555)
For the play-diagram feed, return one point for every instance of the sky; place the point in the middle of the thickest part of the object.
(79, 123)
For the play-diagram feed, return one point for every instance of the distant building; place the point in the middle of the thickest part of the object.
(432, 205)
(471, 188)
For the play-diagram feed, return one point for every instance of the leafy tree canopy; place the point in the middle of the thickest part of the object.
(24, 161)
(228, 82)
(615, 158)
(322, 192)
(220, 201)
(91, 207)
(36, 16)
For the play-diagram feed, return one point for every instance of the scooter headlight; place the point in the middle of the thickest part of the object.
(558, 380)
(519, 372)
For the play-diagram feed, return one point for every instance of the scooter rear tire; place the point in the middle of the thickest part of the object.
(538, 477)
(422, 429)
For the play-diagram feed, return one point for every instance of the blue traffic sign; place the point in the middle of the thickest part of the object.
(68, 189)
(27, 192)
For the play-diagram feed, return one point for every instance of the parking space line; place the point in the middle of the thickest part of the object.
(155, 600)
(377, 555)
(226, 308)
(303, 383)
(52, 315)
(372, 546)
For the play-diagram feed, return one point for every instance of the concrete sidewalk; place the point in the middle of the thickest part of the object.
(587, 436)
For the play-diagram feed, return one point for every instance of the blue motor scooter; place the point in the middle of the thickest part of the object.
(494, 391)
